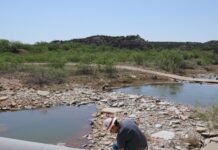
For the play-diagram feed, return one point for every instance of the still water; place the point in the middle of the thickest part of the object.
(185, 93)
(50, 125)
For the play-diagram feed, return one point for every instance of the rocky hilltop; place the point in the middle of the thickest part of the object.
(131, 42)
(118, 41)
(137, 42)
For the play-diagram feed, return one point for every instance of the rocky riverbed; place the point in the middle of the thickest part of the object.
(167, 126)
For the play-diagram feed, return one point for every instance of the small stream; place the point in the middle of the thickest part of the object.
(184, 93)
(51, 125)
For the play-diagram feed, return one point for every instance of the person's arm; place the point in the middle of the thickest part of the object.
(122, 138)
(121, 143)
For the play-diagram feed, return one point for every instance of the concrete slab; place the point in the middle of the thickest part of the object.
(211, 146)
(13, 144)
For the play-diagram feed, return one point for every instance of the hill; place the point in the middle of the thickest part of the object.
(136, 42)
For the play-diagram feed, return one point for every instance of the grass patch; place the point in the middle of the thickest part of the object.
(208, 114)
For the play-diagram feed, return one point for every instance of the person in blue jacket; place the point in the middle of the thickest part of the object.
(129, 136)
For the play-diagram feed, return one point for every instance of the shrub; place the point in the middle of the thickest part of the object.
(85, 69)
(7, 46)
(199, 62)
(45, 76)
(57, 63)
(109, 69)
(188, 64)
(138, 58)
(74, 57)
(215, 61)
(170, 60)
(4, 45)
(87, 58)
(10, 66)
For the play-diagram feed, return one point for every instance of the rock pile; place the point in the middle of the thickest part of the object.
(167, 126)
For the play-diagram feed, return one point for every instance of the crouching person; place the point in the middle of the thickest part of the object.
(129, 136)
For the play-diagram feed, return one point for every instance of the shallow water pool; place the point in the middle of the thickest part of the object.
(51, 125)
(185, 93)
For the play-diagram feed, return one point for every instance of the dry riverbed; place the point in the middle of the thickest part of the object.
(167, 126)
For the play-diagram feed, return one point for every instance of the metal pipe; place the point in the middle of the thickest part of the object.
(14, 144)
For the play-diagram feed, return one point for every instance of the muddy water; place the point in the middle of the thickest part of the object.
(186, 93)
(52, 125)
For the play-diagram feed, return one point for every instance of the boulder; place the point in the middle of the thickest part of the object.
(209, 134)
(43, 93)
(201, 129)
(166, 135)
(111, 110)
(3, 98)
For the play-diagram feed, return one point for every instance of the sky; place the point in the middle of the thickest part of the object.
(31, 21)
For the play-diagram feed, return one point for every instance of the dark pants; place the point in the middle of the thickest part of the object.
(115, 147)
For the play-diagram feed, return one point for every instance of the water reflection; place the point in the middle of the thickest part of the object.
(187, 93)
(51, 125)
(172, 89)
